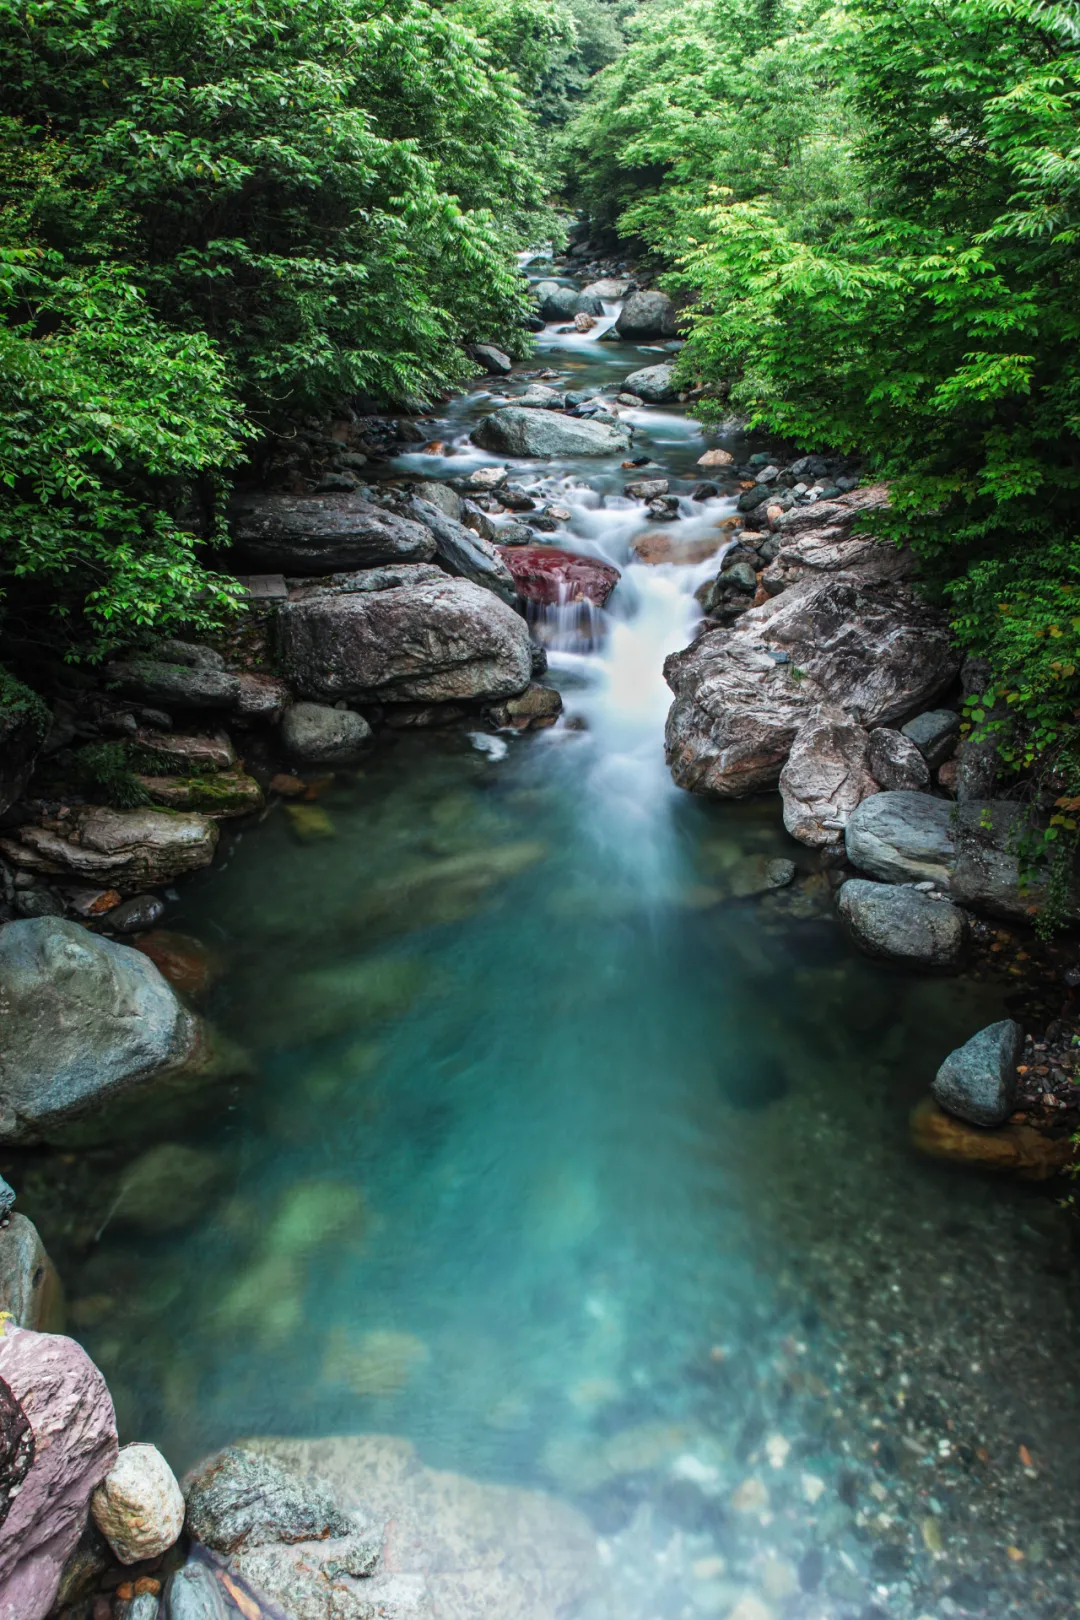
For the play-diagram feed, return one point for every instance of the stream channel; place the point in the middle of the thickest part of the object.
(586, 1174)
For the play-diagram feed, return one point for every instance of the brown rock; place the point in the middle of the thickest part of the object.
(125, 849)
(655, 546)
(537, 708)
(184, 962)
(1016, 1149)
(214, 753)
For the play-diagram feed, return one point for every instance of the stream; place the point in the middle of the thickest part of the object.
(585, 1173)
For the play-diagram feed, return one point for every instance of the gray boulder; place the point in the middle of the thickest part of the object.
(901, 924)
(826, 776)
(441, 495)
(493, 360)
(317, 534)
(180, 673)
(895, 763)
(986, 870)
(522, 432)
(934, 735)
(437, 641)
(978, 1082)
(464, 551)
(609, 289)
(653, 383)
(902, 837)
(84, 1019)
(646, 315)
(556, 303)
(316, 734)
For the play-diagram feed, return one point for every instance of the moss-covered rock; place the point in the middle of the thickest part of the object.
(223, 794)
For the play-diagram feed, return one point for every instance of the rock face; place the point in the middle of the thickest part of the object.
(138, 1506)
(901, 924)
(464, 552)
(58, 1421)
(546, 574)
(978, 1082)
(316, 534)
(83, 1019)
(29, 1287)
(895, 763)
(179, 673)
(522, 432)
(902, 837)
(416, 1544)
(120, 849)
(826, 776)
(316, 734)
(439, 641)
(655, 384)
(871, 651)
(647, 314)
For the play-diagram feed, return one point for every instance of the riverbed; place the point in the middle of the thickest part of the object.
(586, 1167)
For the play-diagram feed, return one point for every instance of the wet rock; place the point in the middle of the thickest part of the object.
(547, 574)
(647, 314)
(123, 849)
(609, 289)
(262, 697)
(241, 1499)
(180, 673)
(1015, 1149)
(316, 534)
(646, 489)
(656, 546)
(479, 522)
(493, 360)
(818, 540)
(223, 795)
(895, 763)
(138, 1506)
(7, 1201)
(167, 1188)
(316, 734)
(465, 552)
(183, 961)
(902, 837)
(825, 778)
(716, 458)
(38, 902)
(760, 874)
(537, 708)
(535, 397)
(59, 1433)
(84, 1019)
(555, 302)
(29, 1286)
(189, 753)
(655, 384)
(195, 1592)
(934, 734)
(902, 924)
(870, 651)
(447, 500)
(441, 641)
(518, 432)
(133, 916)
(978, 1082)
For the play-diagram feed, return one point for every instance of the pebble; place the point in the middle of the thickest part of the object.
(752, 1496)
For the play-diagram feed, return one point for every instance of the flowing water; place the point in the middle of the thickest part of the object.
(586, 1173)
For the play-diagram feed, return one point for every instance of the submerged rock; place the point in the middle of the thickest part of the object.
(523, 432)
(240, 1499)
(57, 1442)
(902, 924)
(549, 575)
(316, 534)
(167, 1188)
(436, 642)
(84, 1019)
(1016, 1149)
(123, 849)
(316, 734)
(138, 1506)
(978, 1082)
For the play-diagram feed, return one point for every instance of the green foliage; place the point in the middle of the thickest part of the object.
(104, 771)
(18, 702)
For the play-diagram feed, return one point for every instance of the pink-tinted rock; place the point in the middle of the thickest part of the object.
(64, 1398)
(546, 574)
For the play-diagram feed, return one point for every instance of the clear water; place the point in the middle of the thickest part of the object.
(583, 1172)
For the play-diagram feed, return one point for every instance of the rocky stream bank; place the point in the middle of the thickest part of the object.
(384, 603)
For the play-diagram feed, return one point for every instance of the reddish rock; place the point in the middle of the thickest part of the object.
(546, 574)
(1017, 1149)
(184, 962)
(49, 1384)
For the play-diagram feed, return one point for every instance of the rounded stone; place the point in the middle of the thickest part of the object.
(138, 1507)
(320, 735)
(901, 924)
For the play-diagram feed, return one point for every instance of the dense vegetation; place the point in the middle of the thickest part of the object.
(876, 214)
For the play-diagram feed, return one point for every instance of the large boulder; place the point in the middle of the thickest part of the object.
(438, 641)
(127, 850)
(902, 837)
(826, 776)
(656, 384)
(820, 539)
(30, 1291)
(57, 1441)
(316, 534)
(178, 673)
(902, 924)
(547, 574)
(316, 734)
(872, 651)
(464, 552)
(84, 1019)
(647, 315)
(522, 432)
(978, 1082)
(555, 302)
(493, 360)
(609, 289)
